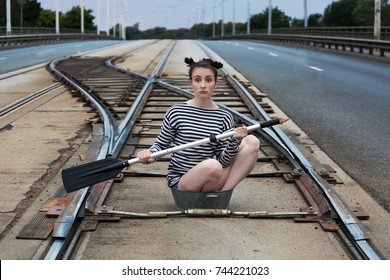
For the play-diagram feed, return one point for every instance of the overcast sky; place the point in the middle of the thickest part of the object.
(174, 14)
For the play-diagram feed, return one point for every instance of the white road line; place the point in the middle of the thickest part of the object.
(2, 58)
(77, 46)
(48, 50)
(250, 48)
(315, 68)
(273, 54)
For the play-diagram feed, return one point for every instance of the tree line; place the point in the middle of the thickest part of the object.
(30, 14)
(339, 13)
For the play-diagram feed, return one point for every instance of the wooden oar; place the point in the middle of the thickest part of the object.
(88, 174)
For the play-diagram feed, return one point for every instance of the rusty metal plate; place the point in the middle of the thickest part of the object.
(89, 225)
(52, 202)
(55, 211)
(359, 213)
(40, 227)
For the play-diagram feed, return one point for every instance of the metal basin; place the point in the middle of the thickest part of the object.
(201, 200)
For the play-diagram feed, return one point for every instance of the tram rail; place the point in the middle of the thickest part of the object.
(19, 103)
(119, 126)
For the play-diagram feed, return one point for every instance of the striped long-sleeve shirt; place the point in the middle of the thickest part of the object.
(184, 124)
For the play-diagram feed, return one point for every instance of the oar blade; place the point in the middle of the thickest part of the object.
(81, 176)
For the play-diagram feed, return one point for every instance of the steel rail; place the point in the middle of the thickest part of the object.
(66, 220)
(126, 124)
(19, 103)
(113, 135)
(348, 220)
(105, 113)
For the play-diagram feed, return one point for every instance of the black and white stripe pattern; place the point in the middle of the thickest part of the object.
(183, 124)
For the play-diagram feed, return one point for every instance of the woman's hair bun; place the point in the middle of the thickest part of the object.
(217, 64)
(189, 61)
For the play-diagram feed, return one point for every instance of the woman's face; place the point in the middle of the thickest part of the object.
(203, 82)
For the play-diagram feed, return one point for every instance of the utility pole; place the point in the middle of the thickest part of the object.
(21, 15)
(201, 9)
(248, 26)
(234, 17)
(123, 20)
(98, 17)
(213, 18)
(8, 8)
(82, 16)
(305, 12)
(108, 17)
(114, 18)
(57, 16)
(377, 24)
(222, 24)
(270, 17)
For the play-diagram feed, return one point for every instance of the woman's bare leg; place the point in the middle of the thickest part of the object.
(204, 177)
(209, 176)
(243, 163)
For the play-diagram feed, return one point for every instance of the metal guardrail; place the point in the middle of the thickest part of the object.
(363, 46)
(356, 32)
(17, 30)
(378, 48)
(24, 40)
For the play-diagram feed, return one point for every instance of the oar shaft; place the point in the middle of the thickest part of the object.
(206, 140)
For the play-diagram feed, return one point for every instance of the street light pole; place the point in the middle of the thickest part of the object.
(57, 16)
(234, 17)
(222, 23)
(377, 24)
(123, 20)
(21, 16)
(203, 19)
(305, 12)
(98, 17)
(114, 18)
(8, 8)
(82, 16)
(213, 18)
(270, 17)
(248, 26)
(108, 17)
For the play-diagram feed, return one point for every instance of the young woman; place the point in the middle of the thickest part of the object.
(210, 167)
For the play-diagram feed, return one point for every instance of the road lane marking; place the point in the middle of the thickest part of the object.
(315, 68)
(250, 48)
(2, 58)
(46, 51)
(273, 54)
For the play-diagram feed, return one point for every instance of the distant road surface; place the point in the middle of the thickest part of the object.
(13, 59)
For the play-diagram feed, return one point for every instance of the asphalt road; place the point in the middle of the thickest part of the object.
(13, 59)
(341, 102)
